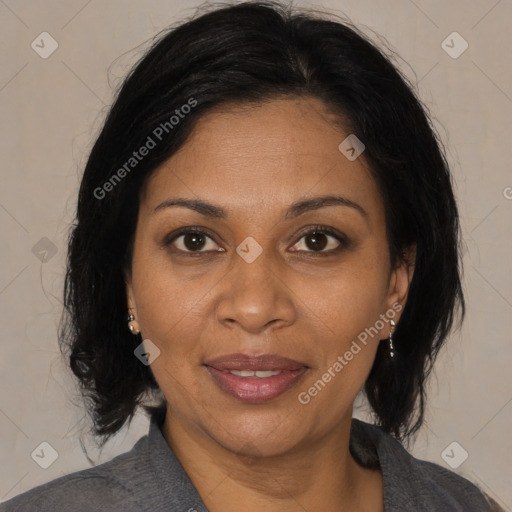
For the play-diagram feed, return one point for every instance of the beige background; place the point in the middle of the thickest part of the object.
(51, 111)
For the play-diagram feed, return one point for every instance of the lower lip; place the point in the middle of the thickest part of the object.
(255, 390)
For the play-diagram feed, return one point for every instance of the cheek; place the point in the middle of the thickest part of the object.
(345, 354)
(349, 340)
(170, 308)
(348, 301)
(172, 317)
(349, 305)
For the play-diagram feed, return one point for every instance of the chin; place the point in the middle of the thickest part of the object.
(258, 435)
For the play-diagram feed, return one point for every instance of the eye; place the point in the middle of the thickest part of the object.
(321, 240)
(192, 240)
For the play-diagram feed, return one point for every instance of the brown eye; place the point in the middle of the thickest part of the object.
(319, 241)
(193, 241)
(316, 241)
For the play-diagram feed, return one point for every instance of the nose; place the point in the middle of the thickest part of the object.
(254, 296)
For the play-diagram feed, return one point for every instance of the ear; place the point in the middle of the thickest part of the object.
(400, 280)
(130, 297)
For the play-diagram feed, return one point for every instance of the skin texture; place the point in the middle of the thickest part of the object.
(254, 162)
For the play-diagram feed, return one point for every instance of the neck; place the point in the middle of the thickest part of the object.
(319, 475)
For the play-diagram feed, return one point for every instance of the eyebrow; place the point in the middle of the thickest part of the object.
(297, 208)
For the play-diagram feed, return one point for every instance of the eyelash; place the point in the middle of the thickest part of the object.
(315, 229)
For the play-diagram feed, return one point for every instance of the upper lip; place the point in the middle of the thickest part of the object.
(264, 362)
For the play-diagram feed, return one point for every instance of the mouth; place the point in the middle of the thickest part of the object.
(255, 379)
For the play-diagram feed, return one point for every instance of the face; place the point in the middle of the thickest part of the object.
(267, 278)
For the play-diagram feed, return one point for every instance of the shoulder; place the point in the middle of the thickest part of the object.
(449, 491)
(105, 487)
(411, 483)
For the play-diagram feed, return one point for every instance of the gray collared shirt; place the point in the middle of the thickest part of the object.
(150, 478)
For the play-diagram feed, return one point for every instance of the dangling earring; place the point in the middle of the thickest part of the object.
(133, 325)
(390, 339)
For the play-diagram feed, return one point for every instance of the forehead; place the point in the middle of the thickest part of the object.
(265, 156)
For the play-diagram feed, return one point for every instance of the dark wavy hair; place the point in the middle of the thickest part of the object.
(254, 52)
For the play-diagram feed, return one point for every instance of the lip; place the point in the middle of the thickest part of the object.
(255, 390)
(248, 362)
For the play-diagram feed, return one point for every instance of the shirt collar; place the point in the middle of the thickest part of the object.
(369, 446)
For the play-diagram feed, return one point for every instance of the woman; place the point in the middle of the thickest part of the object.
(265, 227)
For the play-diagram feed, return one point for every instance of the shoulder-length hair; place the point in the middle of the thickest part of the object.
(246, 53)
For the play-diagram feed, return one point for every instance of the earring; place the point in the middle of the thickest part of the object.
(133, 325)
(390, 339)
